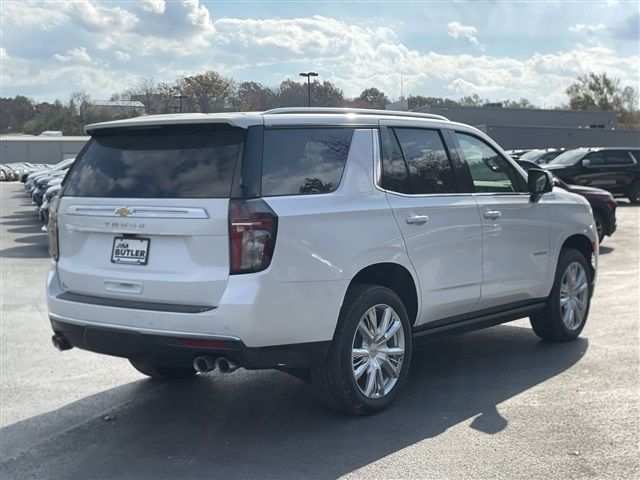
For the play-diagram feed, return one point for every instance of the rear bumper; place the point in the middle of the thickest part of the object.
(178, 350)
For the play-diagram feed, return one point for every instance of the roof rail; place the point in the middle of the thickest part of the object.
(359, 111)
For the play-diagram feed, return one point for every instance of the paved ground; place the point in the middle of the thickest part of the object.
(491, 404)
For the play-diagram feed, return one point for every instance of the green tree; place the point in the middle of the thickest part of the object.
(15, 112)
(253, 97)
(595, 92)
(207, 92)
(372, 98)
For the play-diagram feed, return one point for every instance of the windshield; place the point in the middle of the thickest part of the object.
(568, 158)
(532, 155)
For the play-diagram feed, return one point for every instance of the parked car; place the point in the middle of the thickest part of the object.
(541, 156)
(616, 170)
(517, 153)
(31, 178)
(602, 202)
(43, 212)
(321, 242)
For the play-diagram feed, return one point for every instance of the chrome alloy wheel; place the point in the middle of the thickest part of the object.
(378, 351)
(574, 296)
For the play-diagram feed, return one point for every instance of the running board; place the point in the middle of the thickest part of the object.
(480, 320)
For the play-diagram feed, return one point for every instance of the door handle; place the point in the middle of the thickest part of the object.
(416, 219)
(492, 214)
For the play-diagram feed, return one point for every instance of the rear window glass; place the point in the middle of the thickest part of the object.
(301, 161)
(194, 161)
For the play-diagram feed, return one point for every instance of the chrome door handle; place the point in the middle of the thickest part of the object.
(416, 219)
(492, 214)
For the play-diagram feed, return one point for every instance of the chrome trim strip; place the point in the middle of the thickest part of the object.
(137, 211)
(164, 333)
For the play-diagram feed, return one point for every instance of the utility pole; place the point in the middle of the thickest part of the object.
(179, 97)
(309, 75)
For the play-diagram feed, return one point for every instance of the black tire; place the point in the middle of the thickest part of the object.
(335, 380)
(163, 372)
(548, 323)
(634, 193)
(601, 224)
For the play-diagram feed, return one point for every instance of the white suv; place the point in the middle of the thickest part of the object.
(321, 242)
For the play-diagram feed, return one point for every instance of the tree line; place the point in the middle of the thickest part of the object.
(212, 92)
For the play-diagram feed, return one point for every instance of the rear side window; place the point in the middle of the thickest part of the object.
(194, 161)
(303, 161)
(617, 157)
(426, 158)
(415, 161)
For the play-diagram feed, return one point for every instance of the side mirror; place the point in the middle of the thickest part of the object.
(586, 162)
(539, 181)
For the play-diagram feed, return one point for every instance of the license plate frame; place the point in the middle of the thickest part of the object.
(134, 259)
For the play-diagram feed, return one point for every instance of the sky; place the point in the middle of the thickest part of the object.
(498, 50)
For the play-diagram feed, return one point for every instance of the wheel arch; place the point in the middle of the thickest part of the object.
(395, 277)
(584, 245)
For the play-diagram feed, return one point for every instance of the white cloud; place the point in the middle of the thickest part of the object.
(121, 55)
(153, 6)
(74, 55)
(583, 27)
(183, 38)
(456, 30)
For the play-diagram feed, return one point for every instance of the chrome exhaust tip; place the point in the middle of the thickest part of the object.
(226, 366)
(204, 364)
(60, 342)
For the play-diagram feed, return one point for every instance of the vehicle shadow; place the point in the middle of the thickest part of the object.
(266, 424)
(603, 250)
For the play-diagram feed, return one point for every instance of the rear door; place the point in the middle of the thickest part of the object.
(143, 215)
(515, 230)
(441, 228)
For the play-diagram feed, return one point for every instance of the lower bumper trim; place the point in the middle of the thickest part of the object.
(178, 351)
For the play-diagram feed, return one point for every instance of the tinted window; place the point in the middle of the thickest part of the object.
(163, 162)
(300, 161)
(617, 157)
(490, 172)
(596, 158)
(426, 158)
(395, 176)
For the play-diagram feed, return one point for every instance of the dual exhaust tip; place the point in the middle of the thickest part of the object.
(207, 364)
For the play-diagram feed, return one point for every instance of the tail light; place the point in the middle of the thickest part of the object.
(52, 228)
(252, 235)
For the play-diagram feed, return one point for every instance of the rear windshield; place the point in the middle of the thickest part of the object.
(303, 161)
(190, 161)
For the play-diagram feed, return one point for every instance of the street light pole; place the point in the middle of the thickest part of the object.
(309, 75)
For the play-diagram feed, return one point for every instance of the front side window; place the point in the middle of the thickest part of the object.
(490, 172)
(303, 161)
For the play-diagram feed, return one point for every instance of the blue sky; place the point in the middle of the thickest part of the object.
(496, 49)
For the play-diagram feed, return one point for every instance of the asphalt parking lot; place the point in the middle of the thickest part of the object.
(492, 404)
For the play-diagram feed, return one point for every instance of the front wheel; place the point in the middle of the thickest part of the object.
(567, 308)
(370, 354)
(634, 193)
(600, 224)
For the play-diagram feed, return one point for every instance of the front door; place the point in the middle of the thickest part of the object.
(515, 229)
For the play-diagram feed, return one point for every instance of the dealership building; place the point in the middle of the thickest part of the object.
(44, 148)
(515, 128)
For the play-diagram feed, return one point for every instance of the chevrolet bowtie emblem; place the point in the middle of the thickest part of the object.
(124, 211)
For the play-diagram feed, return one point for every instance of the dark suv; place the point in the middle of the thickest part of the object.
(614, 169)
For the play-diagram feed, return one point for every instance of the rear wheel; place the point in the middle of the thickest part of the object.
(163, 372)
(634, 193)
(567, 308)
(370, 354)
